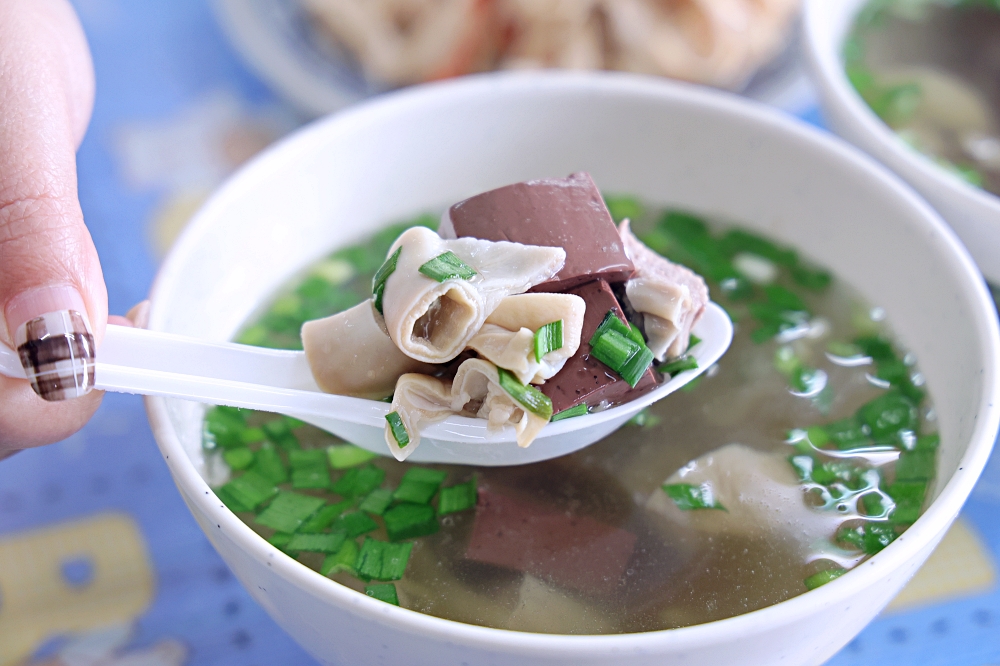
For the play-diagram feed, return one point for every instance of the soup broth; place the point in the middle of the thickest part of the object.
(931, 70)
(806, 449)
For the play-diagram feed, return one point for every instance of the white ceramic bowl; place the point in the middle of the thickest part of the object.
(973, 213)
(340, 178)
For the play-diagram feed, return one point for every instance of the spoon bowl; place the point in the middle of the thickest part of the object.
(133, 360)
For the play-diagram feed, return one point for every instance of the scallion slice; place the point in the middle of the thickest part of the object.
(377, 501)
(447, 266)
(383, 592)
(359, 481)
(622, 354)
(823, 577)
(397, 429)
(343, 560)
(688, 497)
(528, 397)
(379, 560)
(548, 338)
(381, 275)
(344, 456)
(679, 365)
(288, 511)
(316, 543)
(613, 323)
(408, 521)
(575, 410)
(251, 490)
(457, 498)
(636, 366)
(355, 524)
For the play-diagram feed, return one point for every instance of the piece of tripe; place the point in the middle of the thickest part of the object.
(350, 354)
(433, 321)
(670, 297)
(507, 338)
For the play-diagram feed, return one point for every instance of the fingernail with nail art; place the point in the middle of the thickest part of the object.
(57, 352)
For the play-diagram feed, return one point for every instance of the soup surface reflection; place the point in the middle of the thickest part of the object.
(808, 448)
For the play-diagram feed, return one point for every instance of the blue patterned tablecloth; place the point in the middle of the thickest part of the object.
(176, 112)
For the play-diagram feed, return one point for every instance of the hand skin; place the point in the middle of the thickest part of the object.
(46, 98)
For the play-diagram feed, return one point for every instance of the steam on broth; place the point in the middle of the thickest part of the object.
(931, 70)
(807, 449)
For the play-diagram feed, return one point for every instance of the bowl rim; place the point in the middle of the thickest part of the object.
(828, 67)
(929, 527)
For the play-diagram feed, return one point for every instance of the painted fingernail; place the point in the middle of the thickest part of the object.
(57, 352)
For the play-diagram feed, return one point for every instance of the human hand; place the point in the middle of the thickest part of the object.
(53, 302)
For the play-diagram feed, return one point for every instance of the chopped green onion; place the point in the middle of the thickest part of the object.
(870, 537)
(288, 511)
(343, 560)
(240, 458)
(679, 365)
(280, 540)
(384, 592)
(252, 436)
(279, 432)
(457, 498)
(408, 521)
(224, 426)
(414, 491)
(644, 419)
(688, 497)
(355, 524)
(316, 543)
(309, 470)
(310, 479)
(909, 499)
(359, 481)
(377, 501)
(379, 560)
(693, 340)
(888, 414)
(928, 442)
(344, 456)
(622, 354)
(397, 429)
(231, 502)
(874, 505)
(530, 398)
(548, 338)
(251, 490)
(447, 266)
(622, 207)
(381, 275)
(613, 323)
(823, 577)
(269, 465)
(293, 422)
(323, 518)
(916, 465)
(575, 410)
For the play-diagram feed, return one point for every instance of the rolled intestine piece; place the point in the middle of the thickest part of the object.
(476, 391)
(431, 320)
(507, 337)
(419, 400)
(670, 297)
(350, 354)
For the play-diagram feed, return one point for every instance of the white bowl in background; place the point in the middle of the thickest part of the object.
(972, 212)
(337, 180)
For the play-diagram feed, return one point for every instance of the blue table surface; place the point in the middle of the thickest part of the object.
(176, 111)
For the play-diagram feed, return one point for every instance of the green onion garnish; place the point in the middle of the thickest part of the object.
(344, 456)
(359, 481)
(575, 410)
(679, 365)
(622, 354)
(909, 499)
(381, 275)
(323, 518)
(268, 464)
(384, 592)
(530, 398)
(823, 577)
(379, 560)
(240, 458)
(343, 560)
(457, 498)
(447, 266)
(377, 501)
(408, 521)
(397, 429)
(355, 524)
(613, 323)
(251, 490)
(688, 497)
(419, 485)
(316, 543)
(309, 471)
(548, 338)
(288, 511)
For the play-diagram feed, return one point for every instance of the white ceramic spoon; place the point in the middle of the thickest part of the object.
(134, 360)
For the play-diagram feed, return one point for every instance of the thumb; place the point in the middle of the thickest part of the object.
(53, 303)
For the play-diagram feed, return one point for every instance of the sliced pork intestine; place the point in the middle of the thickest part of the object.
(433, 321)
(419, 400)
(476, 391)
(670, 297)
(350, 354)
(507, 337)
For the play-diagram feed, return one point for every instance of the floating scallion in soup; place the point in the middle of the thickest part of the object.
(808, 448)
